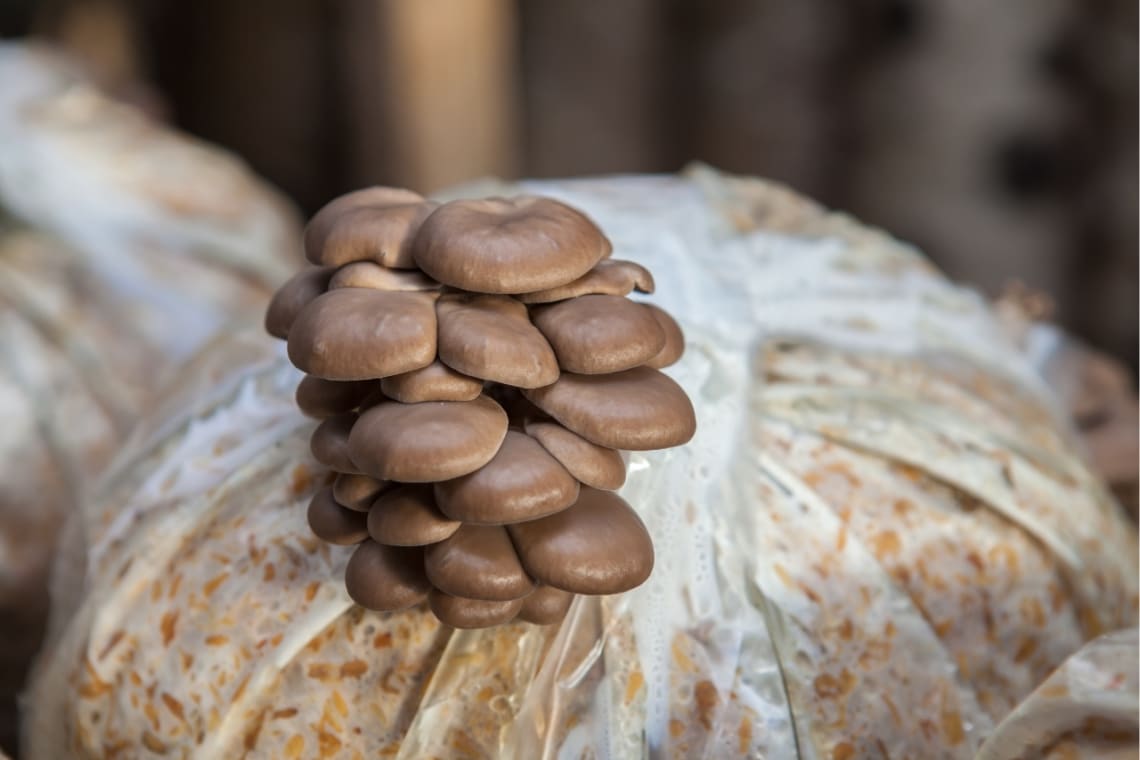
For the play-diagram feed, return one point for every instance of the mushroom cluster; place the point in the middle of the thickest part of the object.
(478, 371)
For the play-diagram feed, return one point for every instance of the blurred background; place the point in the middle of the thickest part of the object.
(1001, 137)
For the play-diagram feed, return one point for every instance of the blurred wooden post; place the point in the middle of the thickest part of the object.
(444, 73)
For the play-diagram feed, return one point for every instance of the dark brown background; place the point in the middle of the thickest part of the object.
(1001, 137)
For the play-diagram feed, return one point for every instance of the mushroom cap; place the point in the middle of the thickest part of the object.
(545, 605)
(521, 482)
(674, 339)
(321, 398)
(637, 410)
(357, 492)
(590, 463)
(359, 334)
(407, 516)
(611, 277)
(329, 443)
(599, 334)
(597, 546)
(491, 337)
(369, 274)
(435, 382)
(471, 613)
(375, 224)
(333, 523)
(292, 297)
(477, 562)
(428, 442)
(499, 245)
(386, 578)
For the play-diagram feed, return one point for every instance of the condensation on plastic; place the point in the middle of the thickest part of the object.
(878, 543)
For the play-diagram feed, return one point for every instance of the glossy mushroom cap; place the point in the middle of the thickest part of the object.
(357, 492)
(674, 339)
(428, 442)
(492, 338)
(472, 613)
(599, 334)
(477, 562)
(329, 443)
(545, 605)
(435, 382)
(496, 245)
(386, 578)
(636, 410)
(522, 482)
(368, 274)
(590, 463)
(323, 398)
(301, 289)
(408, 516)
(610, 277)
(361, 334)
(374, 224)
(597, 546)
(333, 523)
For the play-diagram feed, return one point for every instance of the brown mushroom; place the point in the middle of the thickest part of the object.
(376, 224)
(545, 605)
(597, 546)
(386, 578)
(472, 613)
(496, 245)
(408, 516)
(492, 338)
(292, 297)
(333, 523)
(674, 339)
(329, 443)
(477, 562)
(428, 442)
(368, 274)
(590, 463)
(435, 382)
(611, 277)
(600, 334)
(358, 334)
(324, 398)
(522, 482)
(357, 492)
(637, 410)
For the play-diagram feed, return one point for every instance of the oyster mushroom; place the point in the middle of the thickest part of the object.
(545, 605)
(492, 338)
(301, 289)
(499, 245)
(408, 516)
(590, 463)
(357, 492)
(334, 523)
(435, 382)
(472, 613)
(386, 578)
(477, 562)
(368, 274)
(611, 277)
(324, 398)
(598, 334)
(329, 443)
(674, 339)
(375, 224)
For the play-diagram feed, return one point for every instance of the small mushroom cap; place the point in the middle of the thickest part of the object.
(610, 277)
(477, 562)
(292, 297)
(408, 516)
(333, 523)
(329, 443)
(590, 463)
(597, 546)
(492, 338)
(386, 578)
(472, 613)
(545, 605)
(600, 334)
(357, 492)
(359, 334)
(435, 382)
(638, 410)
(496, 245)
(674, 339)
(323, 398)
(428, 442)
(368, 274)
(522, 482)
(375, 224)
